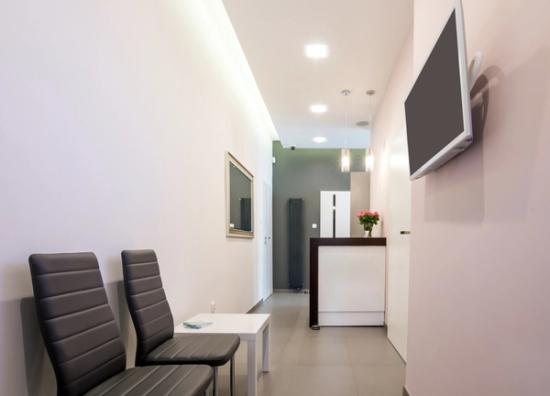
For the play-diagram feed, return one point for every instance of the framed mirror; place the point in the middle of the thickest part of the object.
(239, 196)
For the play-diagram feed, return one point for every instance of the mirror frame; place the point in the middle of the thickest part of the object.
(233, 232)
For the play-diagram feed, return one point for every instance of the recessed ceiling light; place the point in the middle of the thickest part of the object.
(318, 108)
(319, 139)
(316, 51)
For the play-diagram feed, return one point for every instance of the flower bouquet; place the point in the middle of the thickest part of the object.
(368, 220)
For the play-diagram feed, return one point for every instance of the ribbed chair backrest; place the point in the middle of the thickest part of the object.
(77, 324)
(146, 301)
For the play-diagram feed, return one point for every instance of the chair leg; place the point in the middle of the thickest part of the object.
(232, 376)
(207, 391)
(215, 382)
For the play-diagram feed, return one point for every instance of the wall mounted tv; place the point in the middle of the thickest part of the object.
(437, 110)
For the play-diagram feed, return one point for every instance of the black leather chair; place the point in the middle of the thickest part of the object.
(155, 325)
(82, 338)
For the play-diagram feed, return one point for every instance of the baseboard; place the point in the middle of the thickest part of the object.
(255, 306)
(406, 391)
(294, 291)
(351, 318)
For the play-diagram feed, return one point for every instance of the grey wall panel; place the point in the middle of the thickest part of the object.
(303, 173)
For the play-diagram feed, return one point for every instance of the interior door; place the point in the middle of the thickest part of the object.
(268, 242)
(397, 227)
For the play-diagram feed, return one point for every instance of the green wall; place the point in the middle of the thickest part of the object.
(303, 173)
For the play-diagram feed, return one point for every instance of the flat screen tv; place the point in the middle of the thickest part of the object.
(437, 109)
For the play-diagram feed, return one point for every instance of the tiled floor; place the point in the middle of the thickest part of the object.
(334, 361)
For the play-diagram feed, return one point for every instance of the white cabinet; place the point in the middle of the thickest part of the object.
(335, 214)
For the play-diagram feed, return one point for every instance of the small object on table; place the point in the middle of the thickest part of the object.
(196, 325)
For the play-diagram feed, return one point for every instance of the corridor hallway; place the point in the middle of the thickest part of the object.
(330, 362)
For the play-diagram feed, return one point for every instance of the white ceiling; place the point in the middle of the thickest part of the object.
(364, 37)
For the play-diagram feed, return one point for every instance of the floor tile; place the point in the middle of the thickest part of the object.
(379, 380)
(333, 361)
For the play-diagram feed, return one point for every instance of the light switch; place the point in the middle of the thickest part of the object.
(314, 225)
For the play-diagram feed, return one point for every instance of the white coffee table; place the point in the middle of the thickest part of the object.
(248, 327)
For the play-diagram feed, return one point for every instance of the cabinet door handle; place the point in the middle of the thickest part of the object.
(405, 232)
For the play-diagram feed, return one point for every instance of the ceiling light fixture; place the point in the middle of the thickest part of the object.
(318, 108)
(345, 154)
(370, 105)
(345, 160)
(369, 160)
(319, 139)
(316, 51)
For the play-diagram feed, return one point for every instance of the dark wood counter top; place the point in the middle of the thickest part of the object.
(374, 241)
(314, 244)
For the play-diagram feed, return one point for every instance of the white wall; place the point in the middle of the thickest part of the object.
(114, 120)
(479, 314)
(390, 194)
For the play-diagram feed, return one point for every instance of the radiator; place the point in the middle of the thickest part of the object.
(296, 243)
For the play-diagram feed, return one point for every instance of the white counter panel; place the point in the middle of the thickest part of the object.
(351, 285)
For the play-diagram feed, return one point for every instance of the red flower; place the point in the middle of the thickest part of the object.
(368, 213)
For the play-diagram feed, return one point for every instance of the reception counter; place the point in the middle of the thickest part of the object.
(347, 281)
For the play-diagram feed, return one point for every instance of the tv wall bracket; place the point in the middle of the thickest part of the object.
(474, 70)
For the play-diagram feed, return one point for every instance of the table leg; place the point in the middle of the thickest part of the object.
(265, 350)
(252, 369)
(232, 377)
